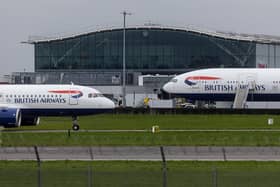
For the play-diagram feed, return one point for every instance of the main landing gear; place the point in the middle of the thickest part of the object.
(75, 125)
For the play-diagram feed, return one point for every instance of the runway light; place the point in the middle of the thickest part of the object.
(270, 121)
(155, 129)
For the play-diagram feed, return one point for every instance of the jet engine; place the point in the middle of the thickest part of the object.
(10, 117)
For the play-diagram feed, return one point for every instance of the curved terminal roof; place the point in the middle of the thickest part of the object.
(258, 38)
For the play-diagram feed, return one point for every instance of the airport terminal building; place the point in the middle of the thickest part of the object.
(95, 58)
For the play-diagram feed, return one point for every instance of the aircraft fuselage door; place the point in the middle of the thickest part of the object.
(248, 79)
(73, 96)
(251, 81)
(1, 98)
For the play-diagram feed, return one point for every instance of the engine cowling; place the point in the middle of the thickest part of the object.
(30, 120)
(10, 117)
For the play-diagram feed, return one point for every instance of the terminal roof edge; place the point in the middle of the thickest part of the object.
(258, 38)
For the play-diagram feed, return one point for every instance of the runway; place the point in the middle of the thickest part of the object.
(201, 153)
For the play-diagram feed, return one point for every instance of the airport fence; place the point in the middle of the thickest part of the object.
(136, 174)
(160, 173)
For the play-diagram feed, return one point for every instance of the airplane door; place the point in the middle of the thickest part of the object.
(73, 97)
(251, 81)
(1, 98)
(248, 79)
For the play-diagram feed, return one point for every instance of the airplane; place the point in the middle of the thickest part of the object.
(24, 104)
(224, 84)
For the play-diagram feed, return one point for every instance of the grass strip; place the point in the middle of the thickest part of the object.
(143, 139)
(132, 121)
(133, 173)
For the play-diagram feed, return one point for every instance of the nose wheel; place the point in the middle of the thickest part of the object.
(75, 125)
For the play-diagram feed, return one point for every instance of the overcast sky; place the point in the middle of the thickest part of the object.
(20, 19)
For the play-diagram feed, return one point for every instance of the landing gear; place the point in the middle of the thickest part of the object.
(75, 125)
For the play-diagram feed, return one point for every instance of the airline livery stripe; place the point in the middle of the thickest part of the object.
(203, 78)
(65, 91)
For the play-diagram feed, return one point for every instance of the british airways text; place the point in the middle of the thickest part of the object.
(40, 100)
(226, 87)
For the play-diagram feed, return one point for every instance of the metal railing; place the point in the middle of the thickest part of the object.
(122, 174)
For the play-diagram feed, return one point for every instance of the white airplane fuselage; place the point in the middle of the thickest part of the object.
(50, 100)
(222, 84)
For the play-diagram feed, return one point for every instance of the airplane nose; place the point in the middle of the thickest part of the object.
(110, 104)
(167, 87)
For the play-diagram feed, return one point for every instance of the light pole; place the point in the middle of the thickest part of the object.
(124, 13)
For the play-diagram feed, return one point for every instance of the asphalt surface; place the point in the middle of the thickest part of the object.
(141, 153)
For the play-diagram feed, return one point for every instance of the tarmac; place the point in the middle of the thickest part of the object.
(142, 153)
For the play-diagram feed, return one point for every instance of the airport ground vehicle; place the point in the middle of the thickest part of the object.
(188, 105)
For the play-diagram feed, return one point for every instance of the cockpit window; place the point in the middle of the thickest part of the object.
(174, 80)
(98, 95)
(94, 95)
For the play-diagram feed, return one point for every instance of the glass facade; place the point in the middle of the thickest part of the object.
(267, 56)
(146, 48)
